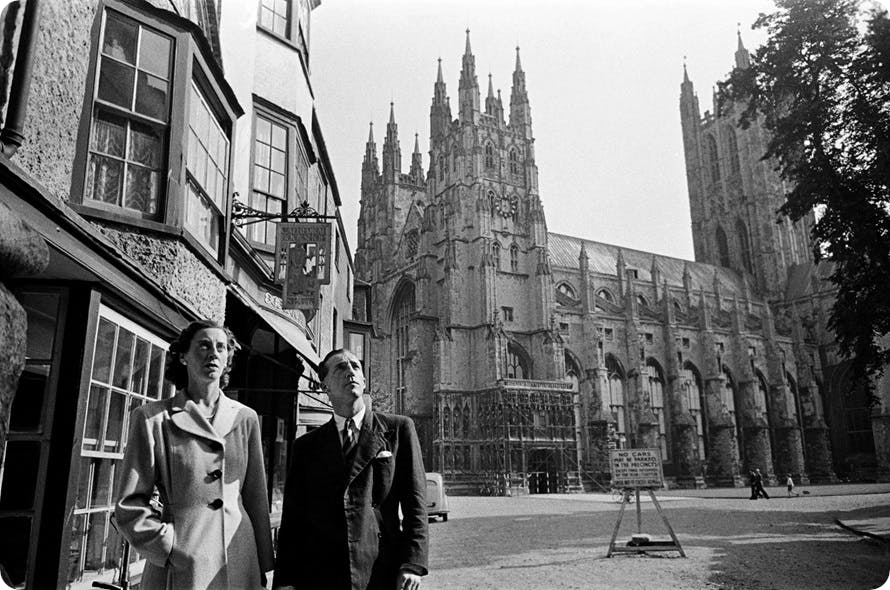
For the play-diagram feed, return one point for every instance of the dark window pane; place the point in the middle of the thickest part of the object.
(20, 469)
(92, 428)
(156, 372)
(95, 541)
(141, 193)
(120, 39)
(83, 483)
(116, 83)
(151, 96)
(109, 134)
(116, 410)
(14, 543)
(140, 366)
(43, 311)
(100, 493)
(154, 54)
(146, 145)
(78, 532)
(102, 356)
(27, 405)
(104, 179)
(123, 359)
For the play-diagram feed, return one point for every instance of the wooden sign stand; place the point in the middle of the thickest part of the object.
(647, 546)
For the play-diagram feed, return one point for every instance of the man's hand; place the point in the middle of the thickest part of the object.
(407, 581)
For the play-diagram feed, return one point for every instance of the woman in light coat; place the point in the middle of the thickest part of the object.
(202, 452)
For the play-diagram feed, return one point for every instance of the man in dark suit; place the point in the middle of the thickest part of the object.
(340, 527)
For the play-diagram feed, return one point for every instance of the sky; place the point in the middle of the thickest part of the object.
(603, 79)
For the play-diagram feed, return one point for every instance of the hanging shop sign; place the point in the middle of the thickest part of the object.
(302, 263)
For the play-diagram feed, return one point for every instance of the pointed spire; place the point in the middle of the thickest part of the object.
(439, 76)
(392, 154)
(518, 62)
(742, 57)
(371, 133)
(490, 87)
(417, 162)
(685, 73)
(520, 112)
(468, 87)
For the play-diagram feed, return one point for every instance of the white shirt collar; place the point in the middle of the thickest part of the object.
(341, 420)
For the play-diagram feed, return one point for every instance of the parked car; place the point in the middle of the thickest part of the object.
(436, 498)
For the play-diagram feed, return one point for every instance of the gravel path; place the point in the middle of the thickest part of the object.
(560, 541)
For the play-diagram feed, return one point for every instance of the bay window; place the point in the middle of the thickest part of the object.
(131, 108)
(156, 142)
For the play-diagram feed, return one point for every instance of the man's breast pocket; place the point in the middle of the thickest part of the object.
(382, 471)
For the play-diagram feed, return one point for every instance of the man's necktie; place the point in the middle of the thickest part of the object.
(349, 436)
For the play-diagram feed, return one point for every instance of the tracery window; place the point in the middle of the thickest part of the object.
(616, 393)
(745, 243)
(514, 258)
(694, 393)
(713, 158)
(722, 247)
(402, 310)
(656, 402)
(517, 367)
(514, 161)
(733, 145)
(489, 156)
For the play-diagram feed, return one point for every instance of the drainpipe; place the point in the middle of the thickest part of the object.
(11, 137)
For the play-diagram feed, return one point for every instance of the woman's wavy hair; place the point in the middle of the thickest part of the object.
(176, 373)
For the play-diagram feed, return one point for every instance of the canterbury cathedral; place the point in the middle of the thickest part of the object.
(524, 356)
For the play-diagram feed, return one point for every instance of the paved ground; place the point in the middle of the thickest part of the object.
(560, 541)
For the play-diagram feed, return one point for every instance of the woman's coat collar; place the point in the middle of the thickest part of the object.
(184, 413)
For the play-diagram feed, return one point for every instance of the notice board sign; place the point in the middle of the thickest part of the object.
(636, 468)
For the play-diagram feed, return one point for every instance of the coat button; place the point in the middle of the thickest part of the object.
(215, 474)
(216, 504)
(379, 535)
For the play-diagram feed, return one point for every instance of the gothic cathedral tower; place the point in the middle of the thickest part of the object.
(460, 270)
(734, 196)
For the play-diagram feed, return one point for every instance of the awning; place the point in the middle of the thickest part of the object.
(281, 325)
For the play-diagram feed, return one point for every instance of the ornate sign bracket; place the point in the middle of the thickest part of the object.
(243, 215)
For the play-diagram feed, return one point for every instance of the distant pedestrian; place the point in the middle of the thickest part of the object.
(752, 481)
(758, 482)
(790, 483)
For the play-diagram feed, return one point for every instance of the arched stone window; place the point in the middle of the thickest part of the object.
(573, 371)
(678, 307)
(606, 294)
(446, 422)
(791, 400)
(760, 395)
(642, 300)
(517, 363)
(454, 161)
(727, 394)
(733, 144)
(695, 401)
(713, 158)
(466, 421)
(514, 258)
(441, 166)
(514, 161)
(616, 393)
(656, 402)
(567, 290)
(457, 423)
(403, 307)
(745, 244)
(496, 255)
(722, 247)
(489, 156)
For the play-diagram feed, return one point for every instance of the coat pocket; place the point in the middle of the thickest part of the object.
(382, 473)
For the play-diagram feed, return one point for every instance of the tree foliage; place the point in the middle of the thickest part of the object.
(821, 87)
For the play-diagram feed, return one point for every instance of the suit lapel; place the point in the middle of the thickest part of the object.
(184, 413)
(370, 442)
(225, 416)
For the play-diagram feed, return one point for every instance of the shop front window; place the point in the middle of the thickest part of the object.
(126, 372)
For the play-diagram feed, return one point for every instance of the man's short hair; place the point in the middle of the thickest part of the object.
(323, 365)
